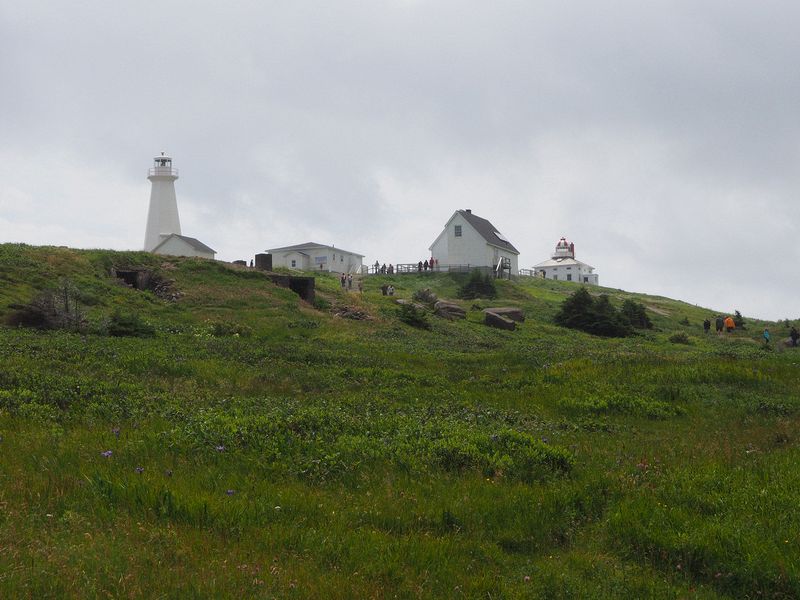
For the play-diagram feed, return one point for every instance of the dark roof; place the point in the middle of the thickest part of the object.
(488, 231)
(193, 242)
(311, 245)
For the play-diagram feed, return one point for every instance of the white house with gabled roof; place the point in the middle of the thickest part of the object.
(470, 240)
(312, 256)
(563, 266)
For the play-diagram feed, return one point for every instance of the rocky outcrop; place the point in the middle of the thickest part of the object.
(449, 310)
(498, 321)
(510, 312)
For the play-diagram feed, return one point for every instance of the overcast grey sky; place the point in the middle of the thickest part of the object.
(662, 138)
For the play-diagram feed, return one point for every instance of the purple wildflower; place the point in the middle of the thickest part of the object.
(140, 470)
(230, 492)
(220, 448)
(106, 453)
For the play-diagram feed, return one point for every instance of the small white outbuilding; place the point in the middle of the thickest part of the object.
(312, 256)
(563, 266)
(468, 240)
(182, 245)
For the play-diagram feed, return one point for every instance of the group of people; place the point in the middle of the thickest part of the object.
(423, 265)
(720, 323)
(729, 325)
(347, 282)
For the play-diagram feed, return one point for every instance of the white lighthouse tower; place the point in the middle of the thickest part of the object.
(162, 215)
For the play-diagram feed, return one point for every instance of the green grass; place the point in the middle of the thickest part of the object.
(263, 448)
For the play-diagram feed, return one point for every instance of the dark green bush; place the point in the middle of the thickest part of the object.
(680, 338)
(636, 314)
(411, 315)
(596, 316)
(478, 286)
(129, 325)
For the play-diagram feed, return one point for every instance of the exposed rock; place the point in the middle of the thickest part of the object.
(494, 320)
(788, 343)
(510, 312)
(449, 310)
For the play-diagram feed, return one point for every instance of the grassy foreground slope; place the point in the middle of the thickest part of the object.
(258, 446)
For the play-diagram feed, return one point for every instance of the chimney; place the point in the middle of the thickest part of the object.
(468, 211)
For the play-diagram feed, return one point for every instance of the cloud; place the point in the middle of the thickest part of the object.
(661, 137)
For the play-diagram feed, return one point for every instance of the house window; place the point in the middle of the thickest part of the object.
(341, 258)
(569, 276)
(294, 263)
(569, 268)
(585, 280)
(555, 277)
(458, 230)
(334, 256)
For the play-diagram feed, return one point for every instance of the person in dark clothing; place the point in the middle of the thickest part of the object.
(419, 266)
(794, 336)
(706, 325)
(425, 265)
(719, 323)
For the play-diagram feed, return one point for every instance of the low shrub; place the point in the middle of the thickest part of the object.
(680, 337)
(636, 314)
(128, 325)
(58, 308)
(411, 315)
(596, 316)
(478, 286)
(228, 329)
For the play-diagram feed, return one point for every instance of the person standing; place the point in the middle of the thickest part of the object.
(343, 280)
(730, 325)
(349, 281)
(707, 326)
(719, 323)
(377, 266)
(794, 336)
(766, 336)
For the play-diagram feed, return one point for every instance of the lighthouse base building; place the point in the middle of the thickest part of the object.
(563, 266)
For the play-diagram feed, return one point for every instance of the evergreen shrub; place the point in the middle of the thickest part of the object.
(596, 316)
(636, 314)
(478, 286)
(411, 315)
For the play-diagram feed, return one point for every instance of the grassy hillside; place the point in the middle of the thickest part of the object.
(259, 446)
